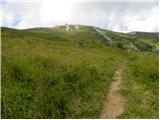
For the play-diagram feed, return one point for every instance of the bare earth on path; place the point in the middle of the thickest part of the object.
(114, 101)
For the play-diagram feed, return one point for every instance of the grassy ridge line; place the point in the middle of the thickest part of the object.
(141, 41)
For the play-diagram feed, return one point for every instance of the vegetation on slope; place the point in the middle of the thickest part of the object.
(54, 73)
(141, 86)
(44, 78)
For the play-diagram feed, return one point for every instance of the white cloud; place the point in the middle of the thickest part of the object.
(24, 24)
(55, 12)
(29, 14)
(139, 1)
(121, 16)
(148, 23)
(8, 18)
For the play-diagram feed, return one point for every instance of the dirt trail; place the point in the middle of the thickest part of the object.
(114, 102)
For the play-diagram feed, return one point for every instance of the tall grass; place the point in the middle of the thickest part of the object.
(44, 78)
(141, 86)
(48, 75)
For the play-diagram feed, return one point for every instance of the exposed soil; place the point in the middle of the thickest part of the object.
(114, 102)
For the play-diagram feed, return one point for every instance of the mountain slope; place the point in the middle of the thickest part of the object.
(141, 41)
(66, 71)
(90, 36)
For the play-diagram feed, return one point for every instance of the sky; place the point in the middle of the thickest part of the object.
(115, 15)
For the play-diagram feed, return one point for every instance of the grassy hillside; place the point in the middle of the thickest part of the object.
(141, 86)
(65, 72)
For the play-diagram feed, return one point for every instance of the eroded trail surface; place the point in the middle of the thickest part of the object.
(114, 102)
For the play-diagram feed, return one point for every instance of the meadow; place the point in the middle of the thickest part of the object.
(45, 74)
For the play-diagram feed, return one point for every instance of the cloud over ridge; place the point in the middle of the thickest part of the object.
(122, 15)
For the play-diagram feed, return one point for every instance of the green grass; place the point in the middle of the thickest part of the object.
(44, 78)
(141, 86)
(46, 74)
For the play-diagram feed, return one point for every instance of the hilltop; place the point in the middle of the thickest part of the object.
(90, 36)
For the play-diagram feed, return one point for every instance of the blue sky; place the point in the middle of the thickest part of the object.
(116, 15)
(17, 19)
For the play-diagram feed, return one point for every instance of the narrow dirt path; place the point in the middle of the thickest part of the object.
(114, 102)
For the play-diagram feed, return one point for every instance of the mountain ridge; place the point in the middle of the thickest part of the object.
(3, 27)
(91, 35)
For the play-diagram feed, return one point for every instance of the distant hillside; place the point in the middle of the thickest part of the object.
(90, 36)
(145, 35)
